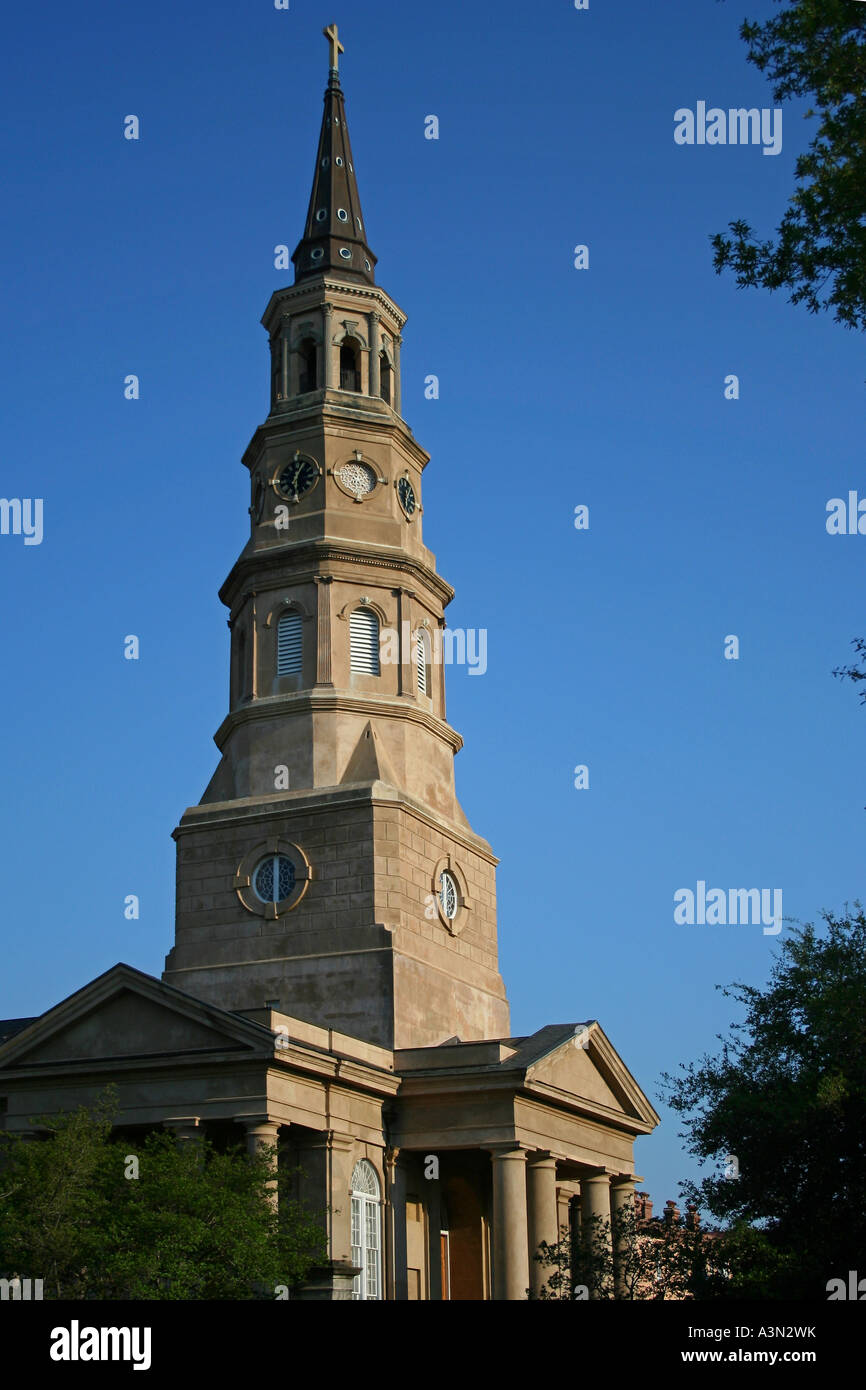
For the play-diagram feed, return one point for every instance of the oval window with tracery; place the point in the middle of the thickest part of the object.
(448, 895)
(274, 879)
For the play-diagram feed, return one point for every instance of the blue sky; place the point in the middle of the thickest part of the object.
(559, 387)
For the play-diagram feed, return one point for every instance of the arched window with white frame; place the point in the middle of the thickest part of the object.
(290, 645)
(366, 1232)
(364, 642)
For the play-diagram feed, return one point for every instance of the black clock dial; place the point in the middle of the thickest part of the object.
(406, 493)
(297, 478)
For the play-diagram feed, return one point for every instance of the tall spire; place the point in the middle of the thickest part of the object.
(335, 237)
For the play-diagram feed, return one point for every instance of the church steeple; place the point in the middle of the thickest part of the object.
(335, 238)
(329, 864)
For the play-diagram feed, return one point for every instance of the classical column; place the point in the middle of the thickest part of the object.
(394, 1221)
(341, 1148)
(622, 1220)
(327, 334)
(543, 1216)
(375, 380)
(595, 1202)
(326, 1160)
(323, 631)
(262, 1133)
(510, 1249)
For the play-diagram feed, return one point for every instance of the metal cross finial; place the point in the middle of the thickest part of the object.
(333, 37)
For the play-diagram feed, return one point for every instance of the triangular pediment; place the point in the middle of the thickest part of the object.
(125, 1014)
(584, 1066)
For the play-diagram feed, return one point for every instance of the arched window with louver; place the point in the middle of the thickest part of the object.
(422, 659)
(290, 646)
(364, 642)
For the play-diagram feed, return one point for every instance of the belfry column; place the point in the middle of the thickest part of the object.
(398, 376)
(595, 1202)
(375, 378)
(327, 334)
(286, 386)
(323, 642)
(543, 1222)
(510, 1249)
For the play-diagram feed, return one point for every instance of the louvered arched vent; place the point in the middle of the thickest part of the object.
(289, 645)
(421, 640)
(364, 641)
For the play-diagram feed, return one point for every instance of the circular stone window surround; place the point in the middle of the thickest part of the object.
(456, 924)
(347, 476)
(243, 881)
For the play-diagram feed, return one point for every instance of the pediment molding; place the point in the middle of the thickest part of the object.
(124, 1017)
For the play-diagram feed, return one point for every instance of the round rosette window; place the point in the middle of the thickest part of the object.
(356, 478)
(450, 896)
(273, 878)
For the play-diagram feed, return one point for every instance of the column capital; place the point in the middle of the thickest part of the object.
(184, 1127)
(262, 1127)
(541, 1158)
(507, 1150)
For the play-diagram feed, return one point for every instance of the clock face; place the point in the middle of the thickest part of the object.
(297, 478)
(406, 493)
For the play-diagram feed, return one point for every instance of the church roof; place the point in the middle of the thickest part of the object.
(10, 1026)
(335, 237)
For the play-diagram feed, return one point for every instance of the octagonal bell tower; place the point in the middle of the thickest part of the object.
(328, 866)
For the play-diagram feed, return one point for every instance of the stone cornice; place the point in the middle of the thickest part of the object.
(252, 810)
(301, 563)
(324, 700)
(320, 411)
(325, 288)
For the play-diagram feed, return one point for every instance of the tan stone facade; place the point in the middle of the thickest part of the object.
(479, 1150)
(334, 982)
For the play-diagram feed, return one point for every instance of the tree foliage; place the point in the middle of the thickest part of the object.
(857, 670)
(814, 49)
(620, 1258)
(194, 1224)
(786, 1096)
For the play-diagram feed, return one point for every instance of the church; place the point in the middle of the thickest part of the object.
(334, 985)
